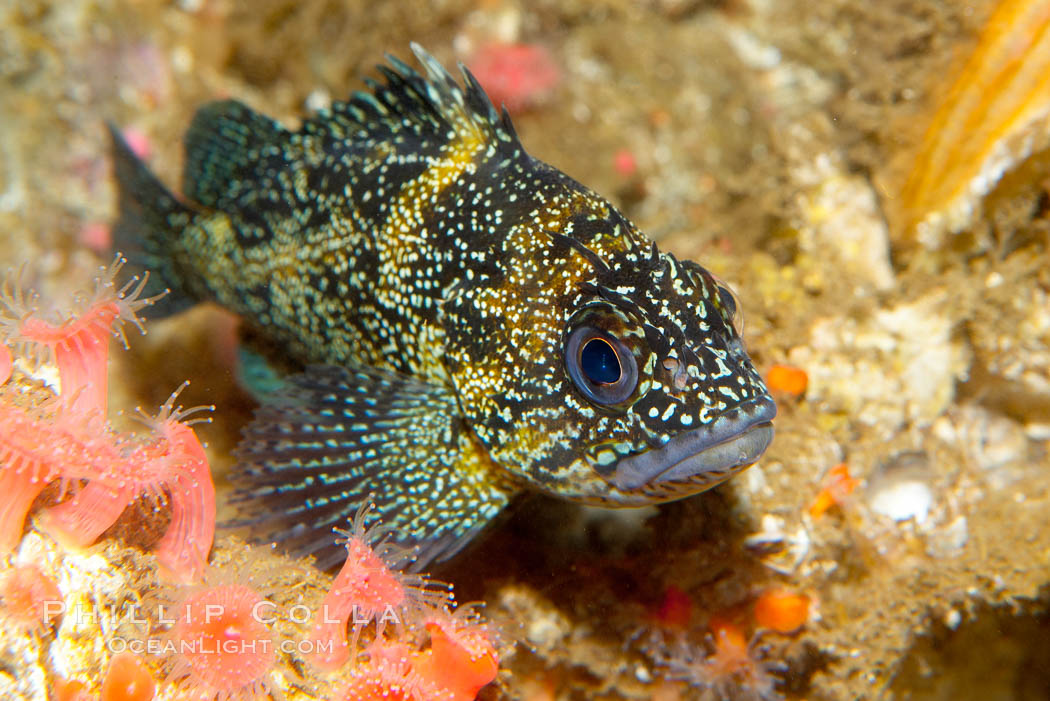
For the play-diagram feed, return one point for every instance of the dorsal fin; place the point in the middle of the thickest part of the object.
(233, 152)
(427, 105)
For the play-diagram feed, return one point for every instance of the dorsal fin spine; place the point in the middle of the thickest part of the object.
(428, 102)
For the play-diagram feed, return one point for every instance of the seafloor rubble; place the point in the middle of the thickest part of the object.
(783, 146)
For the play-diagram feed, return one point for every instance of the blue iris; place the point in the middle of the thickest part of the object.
(598, 362)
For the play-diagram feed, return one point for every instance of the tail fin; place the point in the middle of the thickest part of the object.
(151, 218)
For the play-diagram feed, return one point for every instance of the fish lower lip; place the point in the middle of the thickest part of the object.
(705, 456)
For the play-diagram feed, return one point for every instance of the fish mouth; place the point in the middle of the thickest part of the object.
(703, 457)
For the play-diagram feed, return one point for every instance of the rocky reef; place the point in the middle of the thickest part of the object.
(871, 179)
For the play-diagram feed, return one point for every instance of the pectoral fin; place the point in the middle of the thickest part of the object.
(334, 437)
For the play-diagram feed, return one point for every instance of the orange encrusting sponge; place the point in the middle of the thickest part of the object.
(787, 379)
(781, 610)
(127, 679)
(836, 487)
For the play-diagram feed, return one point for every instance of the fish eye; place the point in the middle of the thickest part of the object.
(601, 366)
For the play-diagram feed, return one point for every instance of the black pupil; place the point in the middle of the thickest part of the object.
(598, 362)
